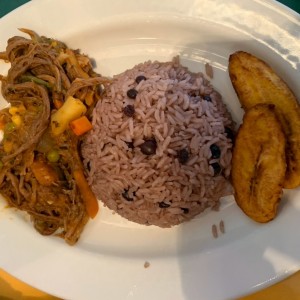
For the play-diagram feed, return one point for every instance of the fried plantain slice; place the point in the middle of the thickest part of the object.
(259, 163)
(256, 82)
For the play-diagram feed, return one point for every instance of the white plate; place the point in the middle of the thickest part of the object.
(186, 262)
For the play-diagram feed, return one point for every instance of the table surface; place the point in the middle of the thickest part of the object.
(12, 288)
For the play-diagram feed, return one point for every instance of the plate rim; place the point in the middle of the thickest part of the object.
(60, 249)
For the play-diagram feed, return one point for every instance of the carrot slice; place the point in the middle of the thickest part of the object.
(58, 103)
(2, 125)
(44, 173)
(81, 125)
(88, 196)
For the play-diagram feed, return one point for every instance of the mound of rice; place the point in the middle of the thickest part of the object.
(159, 153)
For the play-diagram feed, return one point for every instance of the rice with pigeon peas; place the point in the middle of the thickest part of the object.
(160, 149)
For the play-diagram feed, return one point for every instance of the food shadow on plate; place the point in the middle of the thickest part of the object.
(243, 257)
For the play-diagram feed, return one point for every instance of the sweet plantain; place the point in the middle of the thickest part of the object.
(255, 82)
(259, 163)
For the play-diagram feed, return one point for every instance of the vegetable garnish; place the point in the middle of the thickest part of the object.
(81, 125)
(88, 196)
(57, 103)
(71, 110)
(26, 78)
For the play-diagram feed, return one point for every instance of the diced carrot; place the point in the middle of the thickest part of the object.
(44, 173)
(81, 125)
(88, 196)
(2, 124)
(57, 103)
